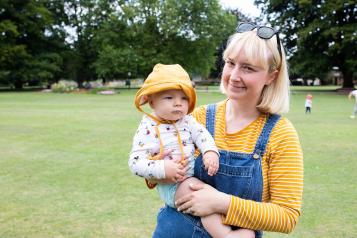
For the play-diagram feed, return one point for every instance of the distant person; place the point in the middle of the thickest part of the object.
(353, 94)
(169, 92)
(308, 103)
(128, 83)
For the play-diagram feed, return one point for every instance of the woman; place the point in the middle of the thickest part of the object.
(260, 179)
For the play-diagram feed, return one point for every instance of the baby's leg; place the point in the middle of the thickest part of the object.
(184, 187)
(212, 223)
(214, 226)
(242, 233)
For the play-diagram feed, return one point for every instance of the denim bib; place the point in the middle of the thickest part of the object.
(239, 174)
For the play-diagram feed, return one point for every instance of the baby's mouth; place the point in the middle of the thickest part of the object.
(176, 112)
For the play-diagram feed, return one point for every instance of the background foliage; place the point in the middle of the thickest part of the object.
(85, 40)
(43, 41)
(320, 34)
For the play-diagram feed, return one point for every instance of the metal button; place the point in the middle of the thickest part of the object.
(256, 156)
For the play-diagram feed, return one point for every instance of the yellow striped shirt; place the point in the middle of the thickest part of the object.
(282, 168)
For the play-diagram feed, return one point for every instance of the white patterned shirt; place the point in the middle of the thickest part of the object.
(146, 143)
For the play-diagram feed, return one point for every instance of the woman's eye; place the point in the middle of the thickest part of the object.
(230, 63)
(247, 68)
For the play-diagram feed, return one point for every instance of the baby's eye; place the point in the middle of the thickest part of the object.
(167, 97)
(185, 98)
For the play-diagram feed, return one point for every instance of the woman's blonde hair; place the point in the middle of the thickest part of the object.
(264, 53)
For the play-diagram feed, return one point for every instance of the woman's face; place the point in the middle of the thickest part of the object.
(243, 80)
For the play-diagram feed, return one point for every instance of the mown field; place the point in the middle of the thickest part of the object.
(64, 173)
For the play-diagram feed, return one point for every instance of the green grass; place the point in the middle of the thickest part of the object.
(64, 173)
(316, 88)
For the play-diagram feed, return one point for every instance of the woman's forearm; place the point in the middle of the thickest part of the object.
(261, 216)
(223, 201)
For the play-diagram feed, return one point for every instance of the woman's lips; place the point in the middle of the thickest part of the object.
(237, 86)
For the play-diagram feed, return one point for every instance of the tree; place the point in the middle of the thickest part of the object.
(114, 40)
(143, 33)
(320, 35)
(43, 41)
(86, 18)
(25, 43)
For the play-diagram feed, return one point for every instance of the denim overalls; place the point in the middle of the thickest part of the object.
(239, 174)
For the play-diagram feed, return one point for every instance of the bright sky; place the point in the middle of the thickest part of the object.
(245, 6)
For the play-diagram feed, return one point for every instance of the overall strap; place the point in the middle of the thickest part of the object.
(210, 118)
(264, 135)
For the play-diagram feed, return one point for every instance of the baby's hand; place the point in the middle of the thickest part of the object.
(175, 170)
(211, 162)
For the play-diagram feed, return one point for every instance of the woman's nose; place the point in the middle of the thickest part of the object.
(235, 74)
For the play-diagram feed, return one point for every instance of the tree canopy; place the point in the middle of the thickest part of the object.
(85, 40)
(29, 42)
(319, 34)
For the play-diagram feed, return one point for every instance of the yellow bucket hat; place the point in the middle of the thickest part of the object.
(166, 77)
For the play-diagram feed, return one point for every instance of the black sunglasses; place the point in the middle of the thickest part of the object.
(264, 32)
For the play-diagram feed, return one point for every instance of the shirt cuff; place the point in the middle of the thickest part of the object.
(233, 211)
(213, 150)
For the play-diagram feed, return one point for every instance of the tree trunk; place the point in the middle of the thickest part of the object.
(18, 84)
(347, 85)
(347, 79)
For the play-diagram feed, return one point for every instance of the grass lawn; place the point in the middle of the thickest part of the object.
(64, 173)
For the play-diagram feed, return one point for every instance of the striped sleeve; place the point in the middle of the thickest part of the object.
(200, 114)
(201, 137)
(280, 211)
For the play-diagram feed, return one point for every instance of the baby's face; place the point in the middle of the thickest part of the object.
(170, 104)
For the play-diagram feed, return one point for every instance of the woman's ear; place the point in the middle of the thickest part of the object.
(272, 76)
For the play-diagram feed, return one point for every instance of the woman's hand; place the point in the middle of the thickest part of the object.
(204, 200)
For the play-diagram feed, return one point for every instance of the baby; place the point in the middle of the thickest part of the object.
(169, 92)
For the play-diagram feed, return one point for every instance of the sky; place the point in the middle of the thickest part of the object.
(245, 6)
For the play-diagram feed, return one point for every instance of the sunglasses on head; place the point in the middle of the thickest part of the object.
(264, 32)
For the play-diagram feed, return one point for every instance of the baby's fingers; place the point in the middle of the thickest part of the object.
(183, 178)
(212, 170)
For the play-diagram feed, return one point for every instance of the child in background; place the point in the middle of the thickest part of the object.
(308, 103)
(169, 92)
(350, 95)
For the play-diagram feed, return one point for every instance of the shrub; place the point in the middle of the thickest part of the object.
(64, 86)
(97, 90)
